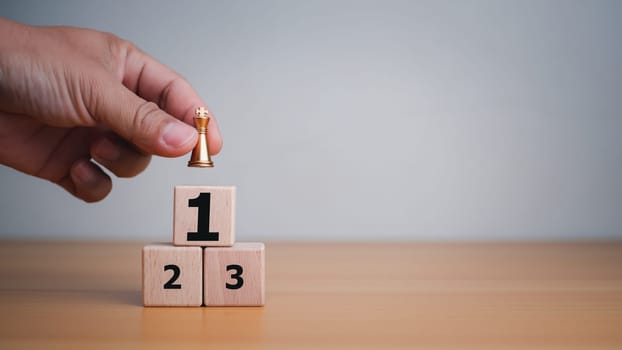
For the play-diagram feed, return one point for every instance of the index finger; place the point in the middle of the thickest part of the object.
(157, 83)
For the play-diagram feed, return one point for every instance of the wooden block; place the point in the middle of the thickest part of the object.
(234, 276)
(172, 276)
(204, 216)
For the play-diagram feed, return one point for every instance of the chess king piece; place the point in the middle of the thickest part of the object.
(200, 153)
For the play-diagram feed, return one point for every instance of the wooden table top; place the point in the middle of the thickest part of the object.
(346, 296)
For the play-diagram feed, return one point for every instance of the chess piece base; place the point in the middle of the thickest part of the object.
(201, 163)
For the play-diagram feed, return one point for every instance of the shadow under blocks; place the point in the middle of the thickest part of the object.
(204, 265)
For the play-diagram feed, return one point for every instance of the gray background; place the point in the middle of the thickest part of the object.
(348, 120)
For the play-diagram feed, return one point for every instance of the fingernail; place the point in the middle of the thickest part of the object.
(178, 134)
(82, 172)
(106, 149)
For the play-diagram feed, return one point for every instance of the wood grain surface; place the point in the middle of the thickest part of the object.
(221, 210)
(344, 296)
(164, 263)
(242, 267)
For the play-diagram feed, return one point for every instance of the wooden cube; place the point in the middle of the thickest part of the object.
(204, 216)
(172, 276)
(234, 276)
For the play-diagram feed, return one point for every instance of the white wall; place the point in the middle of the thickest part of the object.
(350, 120)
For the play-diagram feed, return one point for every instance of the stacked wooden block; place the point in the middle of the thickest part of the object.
(204, 265)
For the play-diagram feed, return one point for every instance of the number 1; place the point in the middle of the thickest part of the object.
(203, 233)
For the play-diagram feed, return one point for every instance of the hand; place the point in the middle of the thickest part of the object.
(69, 95)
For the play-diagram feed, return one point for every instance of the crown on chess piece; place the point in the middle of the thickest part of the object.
(200, 154)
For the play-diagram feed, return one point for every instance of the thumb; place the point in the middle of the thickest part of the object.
(140, 122)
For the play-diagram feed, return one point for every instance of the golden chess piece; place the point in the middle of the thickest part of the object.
(200, 154)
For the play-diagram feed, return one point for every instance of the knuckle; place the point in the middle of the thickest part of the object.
(144, 123)
(118, 51)
(90, 102)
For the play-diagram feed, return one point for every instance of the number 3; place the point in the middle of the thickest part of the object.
(237, 276)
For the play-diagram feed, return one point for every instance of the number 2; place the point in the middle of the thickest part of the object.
(171, 283)
(237, 276)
